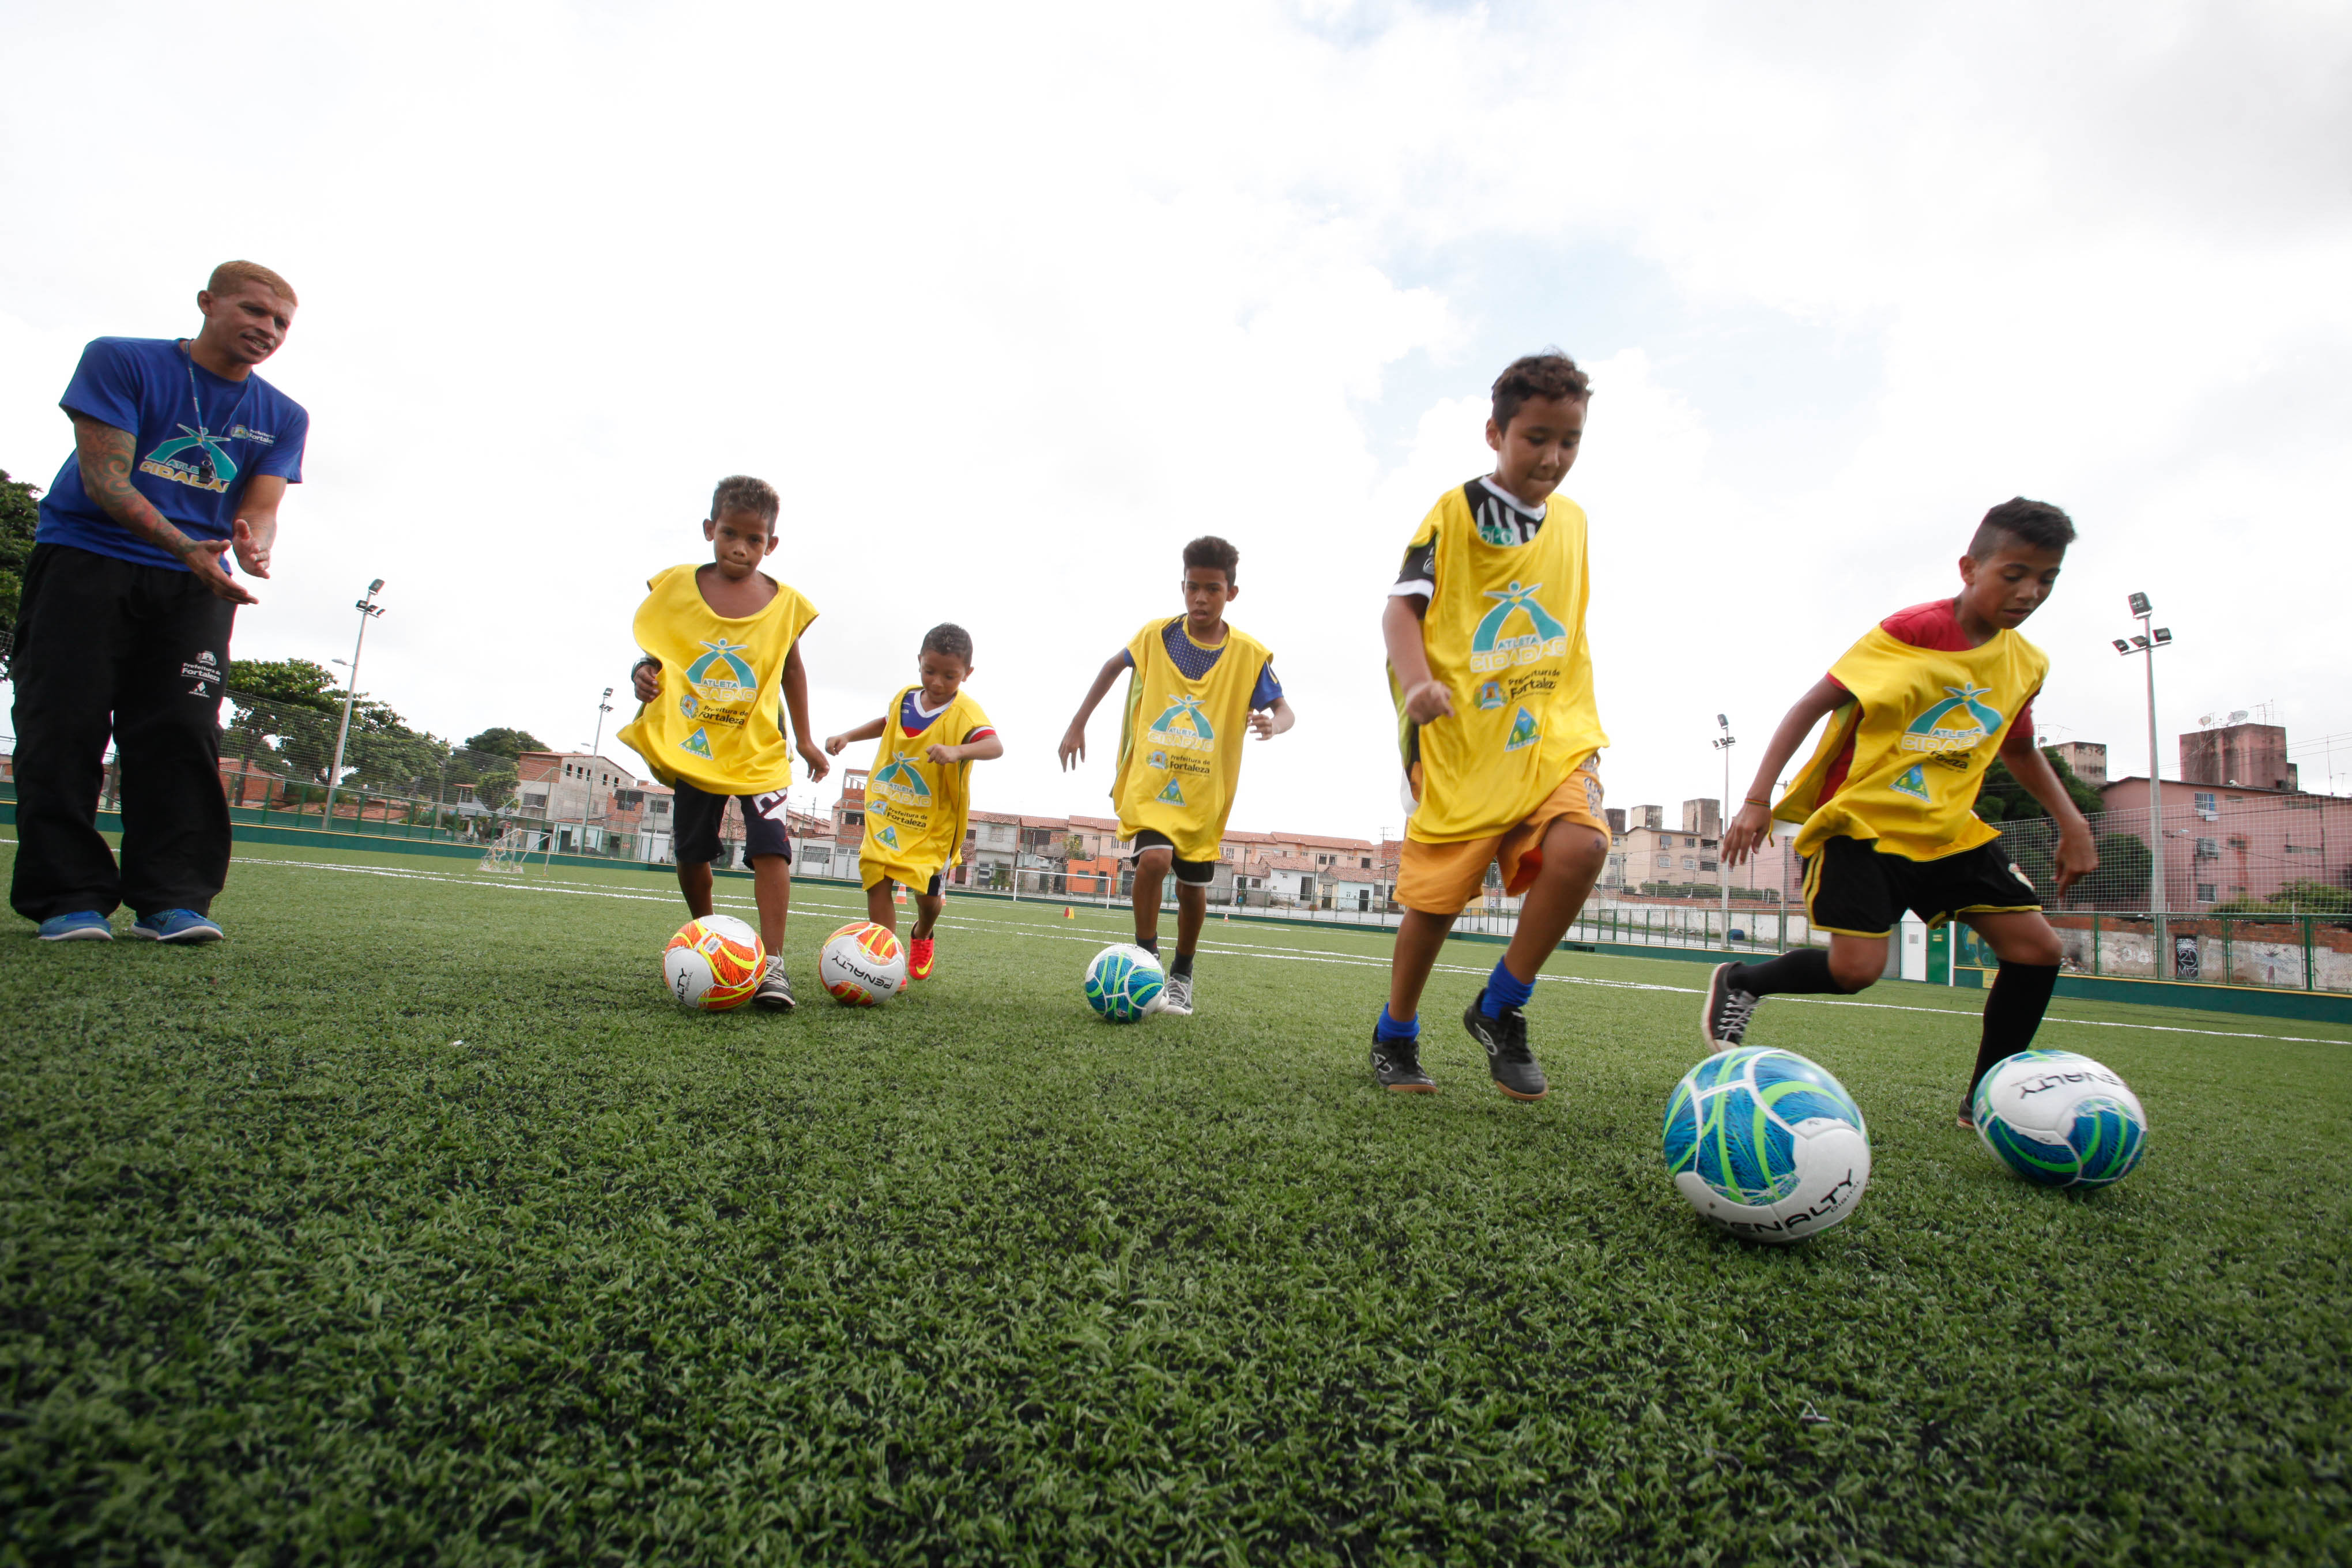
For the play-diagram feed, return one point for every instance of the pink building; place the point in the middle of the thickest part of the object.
(2222, 843)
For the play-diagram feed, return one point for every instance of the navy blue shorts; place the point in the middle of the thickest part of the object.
(695, 817)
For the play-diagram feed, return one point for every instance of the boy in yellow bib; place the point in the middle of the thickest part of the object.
(1199, 684)
(1501, 740)
(722, 643)
(918, 792)
(1918, 710)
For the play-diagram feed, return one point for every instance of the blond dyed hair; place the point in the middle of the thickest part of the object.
(231, 276)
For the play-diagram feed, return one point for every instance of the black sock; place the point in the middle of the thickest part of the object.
(1802, 973)
(1182, 968)
(1149, 944)
(2021, 995)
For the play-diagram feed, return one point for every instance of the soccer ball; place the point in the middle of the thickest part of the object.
(1123, 982)
(1767, 1144)
(713, 963)
(863, 964)
(2060, 1120)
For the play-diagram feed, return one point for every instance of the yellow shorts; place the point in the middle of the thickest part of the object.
(1443, 878)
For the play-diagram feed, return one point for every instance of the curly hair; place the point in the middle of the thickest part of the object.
(1550, 373)
(744, 493)
(1210, 551)
(949, 640)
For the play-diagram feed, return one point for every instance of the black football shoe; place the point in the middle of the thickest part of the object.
(1722, 1016)
(1514, 1069)
(1396, 1065)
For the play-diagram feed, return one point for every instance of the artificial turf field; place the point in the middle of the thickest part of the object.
(416, 1223)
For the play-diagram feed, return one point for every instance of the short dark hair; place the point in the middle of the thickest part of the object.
(951, 639)
(1210, 551)
(1550, 373)
(2033, 523)
(744, 493)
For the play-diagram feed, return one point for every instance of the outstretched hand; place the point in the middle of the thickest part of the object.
(1073, 748)
(2078, 855)
(252, 554)
(1751, 828)
(814, 760)
(203, 559)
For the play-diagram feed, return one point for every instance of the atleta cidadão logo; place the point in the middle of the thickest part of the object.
(1958, 723)
(209, 469)
(720, 676)
(1544, 638)
(898, 781)
(1183, 727)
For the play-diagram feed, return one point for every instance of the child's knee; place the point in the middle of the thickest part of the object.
(1156, 860)
(2039, 948)
(1857, 970)
(1574, 855)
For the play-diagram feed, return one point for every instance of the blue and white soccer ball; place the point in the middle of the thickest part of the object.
(1123, 982)
(1767, 1144)
(2061, 1120)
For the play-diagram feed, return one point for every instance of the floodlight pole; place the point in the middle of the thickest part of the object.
(588, 791)
(369, 609)
(1724, 743)
(2149, 639)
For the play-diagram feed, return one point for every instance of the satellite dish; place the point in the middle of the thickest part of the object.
(2205, 721)
(2238, 717)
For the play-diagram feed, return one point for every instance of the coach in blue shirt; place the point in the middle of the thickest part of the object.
(181, 455)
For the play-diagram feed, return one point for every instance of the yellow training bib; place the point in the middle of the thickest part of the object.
(916, 809)
(1180, 742)
(1505, 632)
(1925, 724)
(715, 724)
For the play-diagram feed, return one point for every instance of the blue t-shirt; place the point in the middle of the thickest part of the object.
(1196, 661)
(198, 439)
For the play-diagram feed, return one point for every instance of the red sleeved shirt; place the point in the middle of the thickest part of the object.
(1936, 624)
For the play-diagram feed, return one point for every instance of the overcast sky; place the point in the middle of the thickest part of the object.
(1009, 302)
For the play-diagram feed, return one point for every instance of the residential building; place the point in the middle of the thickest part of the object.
(2087, 758)
(1704, 817)
(2222, 843)
(849, 806)
(574, 791)
(2237, 756)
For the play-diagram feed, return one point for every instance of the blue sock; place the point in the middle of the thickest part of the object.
(1504, 989)
(1389, 1029)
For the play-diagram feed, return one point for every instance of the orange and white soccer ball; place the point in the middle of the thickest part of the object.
(713, 963)
(863, 964)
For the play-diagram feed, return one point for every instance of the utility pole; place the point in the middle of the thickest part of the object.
(588, 795)
(1724, 743)
(2144, 643)
(369, 609)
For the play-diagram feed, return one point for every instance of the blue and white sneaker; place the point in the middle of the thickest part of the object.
(175, 925)
(82, 925)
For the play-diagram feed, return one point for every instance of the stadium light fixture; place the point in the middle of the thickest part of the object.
(1724, 743)
(2122, 647)
(369, 610)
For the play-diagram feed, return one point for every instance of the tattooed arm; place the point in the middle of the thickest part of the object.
(104, 454)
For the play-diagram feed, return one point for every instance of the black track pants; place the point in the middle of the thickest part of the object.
(140, 653)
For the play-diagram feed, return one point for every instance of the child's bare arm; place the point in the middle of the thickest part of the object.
(1271, 721)
(1073, 748)
(2078, 853)
(987, 749)
(1426, 699)
(644, 679)
(1753, 823)
(871, 729)
(796, 705)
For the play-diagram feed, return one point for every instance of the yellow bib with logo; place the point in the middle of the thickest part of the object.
(1505, 634)
(916, 809)
(715, 724)
(1925, 724)
(1179, 744)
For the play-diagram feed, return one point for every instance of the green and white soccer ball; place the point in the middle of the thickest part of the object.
(1766, 1145)
(1123, 982)
(2060, 1120)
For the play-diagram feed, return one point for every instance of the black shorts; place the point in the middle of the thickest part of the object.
(1853, 890)
(694, 825)
(1199, 873)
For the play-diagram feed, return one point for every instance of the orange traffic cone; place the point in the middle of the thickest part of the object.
(898, 894)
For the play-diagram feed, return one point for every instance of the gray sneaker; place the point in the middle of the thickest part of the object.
(1177, 996)
(775, 991)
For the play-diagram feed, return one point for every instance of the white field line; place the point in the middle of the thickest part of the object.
(1224, 945)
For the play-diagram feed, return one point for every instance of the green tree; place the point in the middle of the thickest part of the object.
(2002, 799)
(494, 787)
(2121, 880)
(501, 741)
(289, 682)
(20, 514)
